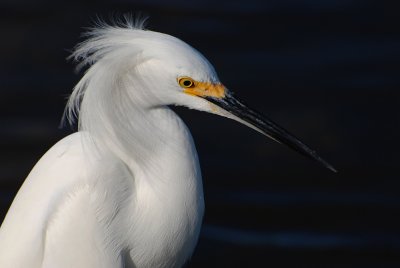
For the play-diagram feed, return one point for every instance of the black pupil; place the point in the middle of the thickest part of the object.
(187, 83)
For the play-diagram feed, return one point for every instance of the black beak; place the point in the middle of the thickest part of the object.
(266, 126)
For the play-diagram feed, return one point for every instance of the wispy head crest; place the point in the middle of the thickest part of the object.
(101, 39)
(136, 21)
(83, 52)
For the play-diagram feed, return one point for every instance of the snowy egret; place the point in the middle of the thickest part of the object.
(126, 190)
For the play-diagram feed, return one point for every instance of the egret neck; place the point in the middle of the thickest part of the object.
(168, 194)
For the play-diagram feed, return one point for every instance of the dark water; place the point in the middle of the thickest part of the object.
(326, 70)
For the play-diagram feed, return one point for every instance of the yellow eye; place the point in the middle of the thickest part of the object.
(186, 82)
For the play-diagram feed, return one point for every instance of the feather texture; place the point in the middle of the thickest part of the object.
(130, 190)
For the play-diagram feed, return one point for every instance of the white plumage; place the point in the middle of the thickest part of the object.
(126, 190)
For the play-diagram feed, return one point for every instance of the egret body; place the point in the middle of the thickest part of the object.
(126, 190)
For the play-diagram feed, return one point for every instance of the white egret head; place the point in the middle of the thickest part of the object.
(133, 69)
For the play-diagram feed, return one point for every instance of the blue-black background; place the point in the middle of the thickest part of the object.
(326, 70)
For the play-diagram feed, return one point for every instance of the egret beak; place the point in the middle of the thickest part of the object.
(264, 125)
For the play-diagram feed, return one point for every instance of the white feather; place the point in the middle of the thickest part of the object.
(126, 189)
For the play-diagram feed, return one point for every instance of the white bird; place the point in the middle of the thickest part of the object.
(126, 190)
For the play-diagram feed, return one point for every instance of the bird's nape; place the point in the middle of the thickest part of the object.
(262, 124)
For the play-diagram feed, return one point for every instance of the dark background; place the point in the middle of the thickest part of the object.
(326, 70)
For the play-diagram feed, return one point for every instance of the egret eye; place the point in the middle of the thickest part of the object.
(186, 82)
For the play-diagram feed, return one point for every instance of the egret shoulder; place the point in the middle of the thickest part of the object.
(59, 180)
